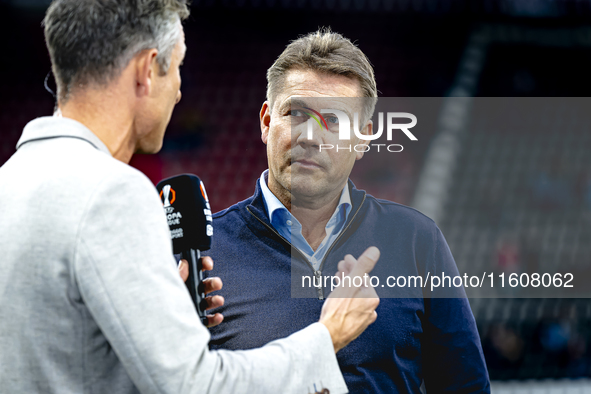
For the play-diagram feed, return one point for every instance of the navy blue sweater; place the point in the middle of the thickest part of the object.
(413, 338)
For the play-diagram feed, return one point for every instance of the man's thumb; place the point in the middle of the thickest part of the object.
(366, 261)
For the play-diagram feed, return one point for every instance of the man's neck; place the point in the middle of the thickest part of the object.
(312, 213)
(105, 113)
(314, 220)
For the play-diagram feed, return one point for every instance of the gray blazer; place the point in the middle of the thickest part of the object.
(90, 297)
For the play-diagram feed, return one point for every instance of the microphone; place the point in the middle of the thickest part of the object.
(189, 218)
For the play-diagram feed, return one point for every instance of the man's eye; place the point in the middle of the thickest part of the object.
(332, 119)
(295, 112)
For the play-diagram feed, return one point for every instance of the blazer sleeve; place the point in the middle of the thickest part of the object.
(127, 277)
(452, 354)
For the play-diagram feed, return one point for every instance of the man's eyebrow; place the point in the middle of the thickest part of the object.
(292, 103)
(295, 102)
(285, 105)
(333, 105)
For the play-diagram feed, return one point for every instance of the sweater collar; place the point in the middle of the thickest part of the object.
(256, 205)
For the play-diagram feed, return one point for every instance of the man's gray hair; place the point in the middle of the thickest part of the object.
(92, 41)
(326, 52)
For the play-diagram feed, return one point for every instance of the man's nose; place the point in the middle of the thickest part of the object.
(307, 135)
(178, 96)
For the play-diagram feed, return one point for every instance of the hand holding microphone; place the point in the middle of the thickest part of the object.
(211, 284)
(189, 218)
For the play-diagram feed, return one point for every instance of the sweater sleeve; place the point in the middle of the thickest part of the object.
(452, 356)
(127, 276)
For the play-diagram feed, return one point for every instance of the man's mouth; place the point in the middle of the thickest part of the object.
(307, 164)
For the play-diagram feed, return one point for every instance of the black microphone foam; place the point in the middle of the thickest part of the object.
(188, 212)
(189, 218)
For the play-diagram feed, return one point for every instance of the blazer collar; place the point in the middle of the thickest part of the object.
(56, 127)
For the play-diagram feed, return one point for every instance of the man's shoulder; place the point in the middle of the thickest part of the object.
(113, 170)
(232, 213)
(401, 213)
(237, 222)
(99, 174)
(72, 168)
(115, 182)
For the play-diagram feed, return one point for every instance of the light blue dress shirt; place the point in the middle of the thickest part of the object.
(291, 229)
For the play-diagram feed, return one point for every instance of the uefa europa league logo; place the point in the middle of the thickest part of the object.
(168, 195)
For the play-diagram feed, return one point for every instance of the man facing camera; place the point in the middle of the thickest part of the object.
(92, 301)
(306, 214)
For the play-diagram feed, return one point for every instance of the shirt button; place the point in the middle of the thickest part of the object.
(289, 223)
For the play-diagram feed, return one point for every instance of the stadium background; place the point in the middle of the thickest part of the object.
(508, 200)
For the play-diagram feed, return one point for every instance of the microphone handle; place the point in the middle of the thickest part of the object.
(195, 282)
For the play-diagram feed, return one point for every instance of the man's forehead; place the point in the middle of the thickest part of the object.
(346, 104)
(182, 41)
(310, 88)
(319, 84)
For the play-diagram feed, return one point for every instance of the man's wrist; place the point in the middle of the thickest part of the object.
(332, 332)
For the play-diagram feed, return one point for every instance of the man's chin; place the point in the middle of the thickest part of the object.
(305, 190)
(145, 152)
(149, 149)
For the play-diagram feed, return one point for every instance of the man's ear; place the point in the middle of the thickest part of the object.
(265, 121)
(367, 130)
(146, 69)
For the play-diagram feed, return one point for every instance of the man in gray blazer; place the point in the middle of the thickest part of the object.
(91, 299)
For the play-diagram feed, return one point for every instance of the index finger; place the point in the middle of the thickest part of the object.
(346, 265)
(366, 262)
(206, 263)
(184, 269)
